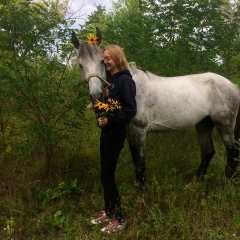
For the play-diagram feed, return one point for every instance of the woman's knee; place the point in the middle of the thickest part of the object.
(107, 178)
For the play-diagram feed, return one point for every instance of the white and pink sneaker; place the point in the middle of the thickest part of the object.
(114, 226)
(103, 218)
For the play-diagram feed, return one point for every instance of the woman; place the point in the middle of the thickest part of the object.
(113, 133)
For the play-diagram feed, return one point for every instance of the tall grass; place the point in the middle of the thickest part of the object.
(34, 206)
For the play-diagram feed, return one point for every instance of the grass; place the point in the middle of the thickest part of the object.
(35, 206)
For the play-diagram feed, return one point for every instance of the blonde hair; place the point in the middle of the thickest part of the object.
(118, 56)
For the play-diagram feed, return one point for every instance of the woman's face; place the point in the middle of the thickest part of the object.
(110, 65)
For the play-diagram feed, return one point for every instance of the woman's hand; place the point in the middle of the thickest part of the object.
(102, 122)
(106, 91)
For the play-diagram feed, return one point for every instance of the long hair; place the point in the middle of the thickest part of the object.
(118, 56)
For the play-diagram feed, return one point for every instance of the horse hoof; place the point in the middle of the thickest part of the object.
(199, 179)
(140, 186)
(193, 185)
(229, 173)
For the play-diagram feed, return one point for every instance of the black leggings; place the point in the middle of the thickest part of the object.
(111, 144)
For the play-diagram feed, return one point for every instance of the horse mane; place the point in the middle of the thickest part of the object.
(89, 52)
(133, 65)
(133, 68)
(143, 69)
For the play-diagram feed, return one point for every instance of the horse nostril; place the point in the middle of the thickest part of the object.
(96, 96)
(90, 96)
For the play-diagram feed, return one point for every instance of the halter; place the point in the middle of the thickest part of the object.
(98, 76)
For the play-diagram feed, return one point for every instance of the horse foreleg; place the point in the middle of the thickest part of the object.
(137, 142)
(204, 132)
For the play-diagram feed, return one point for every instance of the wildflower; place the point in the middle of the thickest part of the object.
(100, 105)
(104, 109)
(117, 105)
(92, 39)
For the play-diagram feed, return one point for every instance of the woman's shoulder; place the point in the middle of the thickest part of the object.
(125, 75)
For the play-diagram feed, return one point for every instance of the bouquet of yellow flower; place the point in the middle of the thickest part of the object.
(104, 109)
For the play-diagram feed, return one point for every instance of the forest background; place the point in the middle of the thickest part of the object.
(49, 158)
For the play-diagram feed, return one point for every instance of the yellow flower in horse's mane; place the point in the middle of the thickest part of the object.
(92, 39)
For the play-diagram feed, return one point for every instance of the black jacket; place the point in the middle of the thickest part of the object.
(123, 89)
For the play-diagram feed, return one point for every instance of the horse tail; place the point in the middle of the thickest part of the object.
(237, 140)
(237, 125)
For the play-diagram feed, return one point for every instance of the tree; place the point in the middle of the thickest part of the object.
(98, 18)
(133, 31)
(231, 43)
(173, 37)
(191, 32)
(35, 73)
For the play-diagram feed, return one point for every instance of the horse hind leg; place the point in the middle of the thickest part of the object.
(204, 132)
(232, 148)
(232, 164)
(232, 167)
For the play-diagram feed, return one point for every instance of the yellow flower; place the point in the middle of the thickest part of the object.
(99, 105)
(104, 109)
(92, 39)
(117, 105)
(110, 108)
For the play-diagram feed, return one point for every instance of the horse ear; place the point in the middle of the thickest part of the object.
(98, 35)
(75, 41)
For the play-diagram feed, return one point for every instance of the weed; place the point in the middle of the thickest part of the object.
(66, 189)
(175, 206)
(56, 221)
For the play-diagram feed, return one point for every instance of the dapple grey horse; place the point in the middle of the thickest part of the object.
(204, 100)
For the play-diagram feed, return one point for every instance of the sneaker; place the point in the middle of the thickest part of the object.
(103, 218)
(114, 226)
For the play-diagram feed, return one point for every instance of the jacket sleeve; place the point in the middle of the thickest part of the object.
(128, 103)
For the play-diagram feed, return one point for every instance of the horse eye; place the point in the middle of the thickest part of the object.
(80, 65)
(102, 61)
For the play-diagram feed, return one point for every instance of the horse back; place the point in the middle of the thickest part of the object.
(169, 103)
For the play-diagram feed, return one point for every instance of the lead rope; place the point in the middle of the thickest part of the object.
(98, 76)
(106, 84)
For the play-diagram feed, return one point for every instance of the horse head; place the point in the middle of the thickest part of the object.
(90, 60)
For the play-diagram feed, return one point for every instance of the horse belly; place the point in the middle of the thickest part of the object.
(177, 115)
(171, 125)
